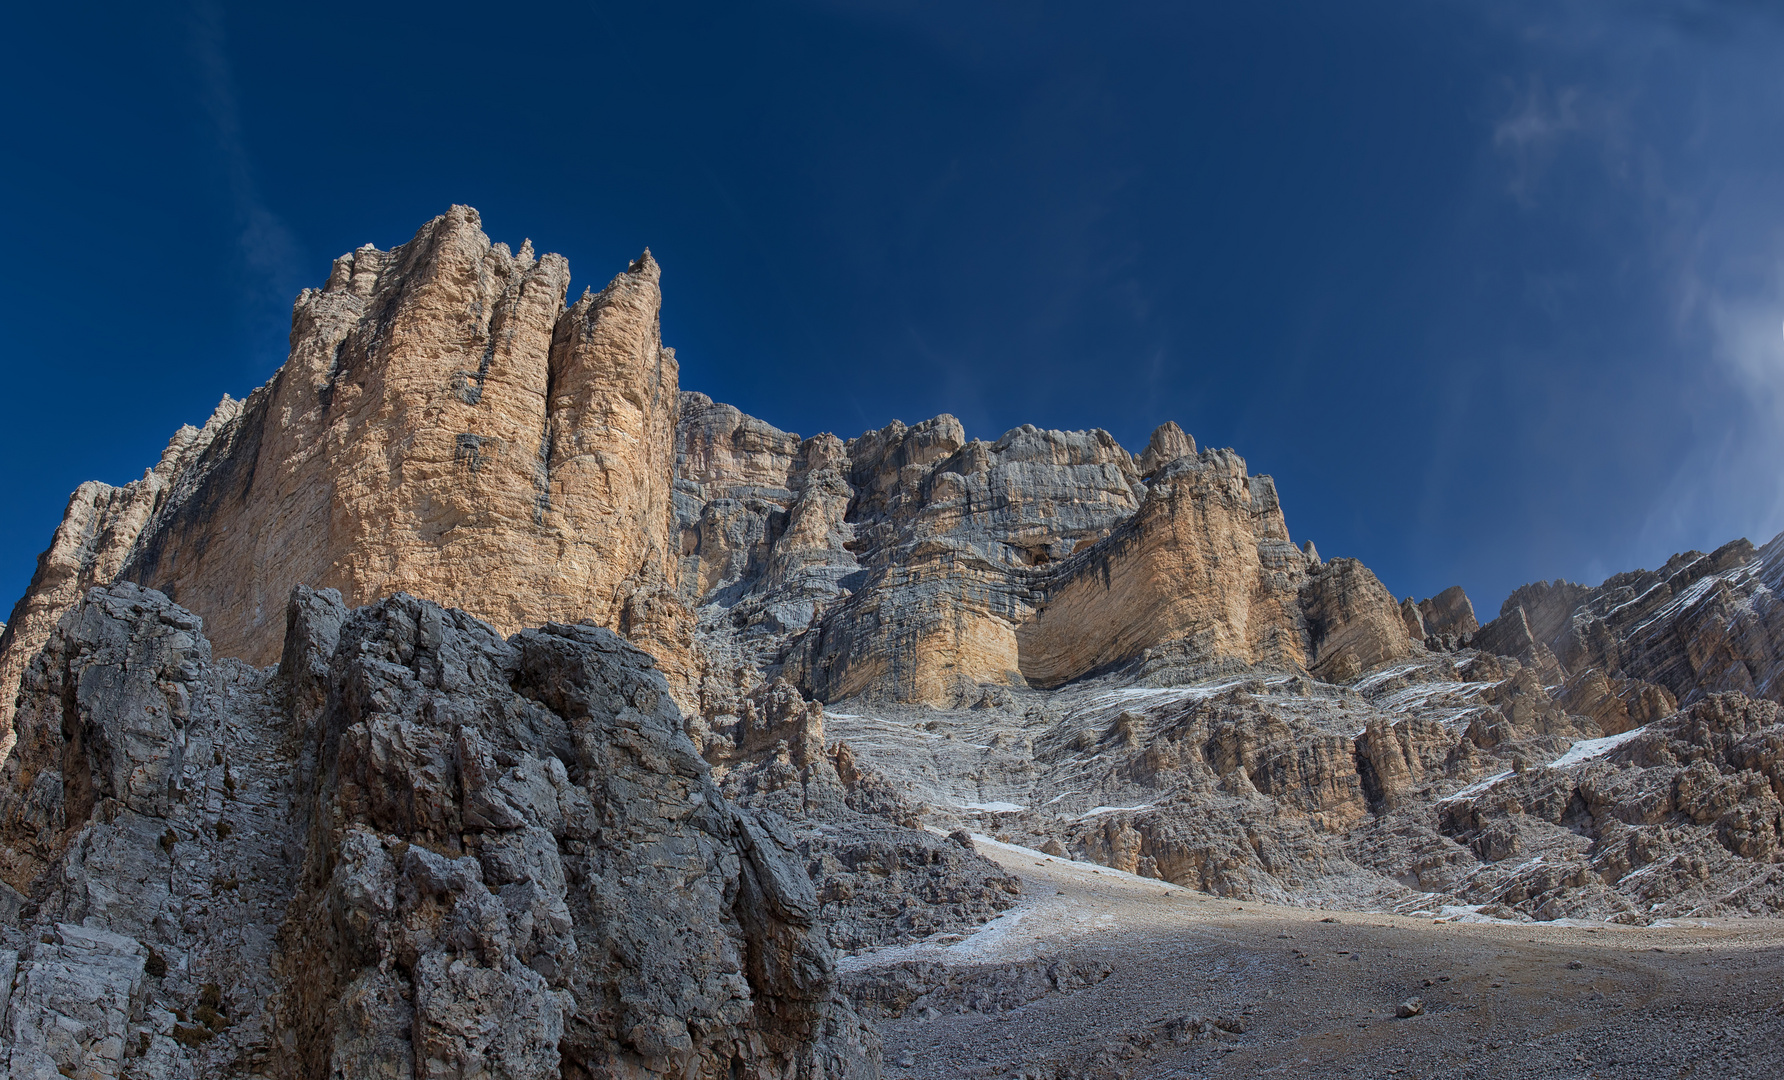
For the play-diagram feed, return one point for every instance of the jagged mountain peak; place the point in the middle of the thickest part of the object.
(886, 641)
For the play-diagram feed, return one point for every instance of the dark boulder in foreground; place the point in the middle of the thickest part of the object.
(414, 849)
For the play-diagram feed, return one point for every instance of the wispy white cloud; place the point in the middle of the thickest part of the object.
(1531, 132)
(269, 252)
(1673, 104)
(1734, 476)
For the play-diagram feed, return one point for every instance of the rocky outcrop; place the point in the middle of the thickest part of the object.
(417, 849)
(1353, 623)
(912, 564)
(1168, 443)
(764, 540)
(1701, 624)
(445, 426)
(881, 879)
(1413, 619)
(1616, 705)
(1683, 818)
(1204, 568)
(90, 546)
(953, 537)
(1445, 783)
(1448, 614)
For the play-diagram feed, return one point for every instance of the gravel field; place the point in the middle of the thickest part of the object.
(1101, 974)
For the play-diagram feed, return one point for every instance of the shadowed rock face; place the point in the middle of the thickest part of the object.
(417, 850)
(1699, 625)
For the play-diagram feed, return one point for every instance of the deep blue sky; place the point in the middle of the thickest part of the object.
(1495, 291)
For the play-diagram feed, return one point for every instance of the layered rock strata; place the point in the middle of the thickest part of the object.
(413, 849)
(1699, 625)
(1454, 785)
(913, 564)
(1137, 664)
(445, 426)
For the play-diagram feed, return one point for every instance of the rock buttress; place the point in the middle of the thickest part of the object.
(444, 426)
(420, 850)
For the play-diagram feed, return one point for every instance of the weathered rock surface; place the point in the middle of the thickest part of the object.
(1683, 818)
(879, 644)
(1205, 568)
(913, 564)
(445, 425)
(1448, 614)
(1352, 621)
(953, 537)
(1700, 625)
(1449, 783)
(413, 849)
(881, 879)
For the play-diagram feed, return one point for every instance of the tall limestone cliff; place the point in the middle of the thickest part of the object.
(913, 564)
(445, 426)
(415, 823)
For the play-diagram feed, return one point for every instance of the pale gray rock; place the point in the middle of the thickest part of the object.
(1168, 443)
(1436, 781)
(74, 1002)
(416, 849)
(920, 986)
(881, 878)
(1682, 819)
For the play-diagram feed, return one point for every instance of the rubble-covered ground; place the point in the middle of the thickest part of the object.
(1099, 975)
(1454, 779)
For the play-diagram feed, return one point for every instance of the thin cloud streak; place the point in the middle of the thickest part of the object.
(1714, 230)
(271, 257)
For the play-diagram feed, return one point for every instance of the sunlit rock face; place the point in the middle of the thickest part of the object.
(1140, 664)
(445, 425)
(449, 426)
(911, 564)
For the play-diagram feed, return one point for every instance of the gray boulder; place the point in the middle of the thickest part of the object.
(413, 849)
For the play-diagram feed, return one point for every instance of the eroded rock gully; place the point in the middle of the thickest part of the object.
(757, 696)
